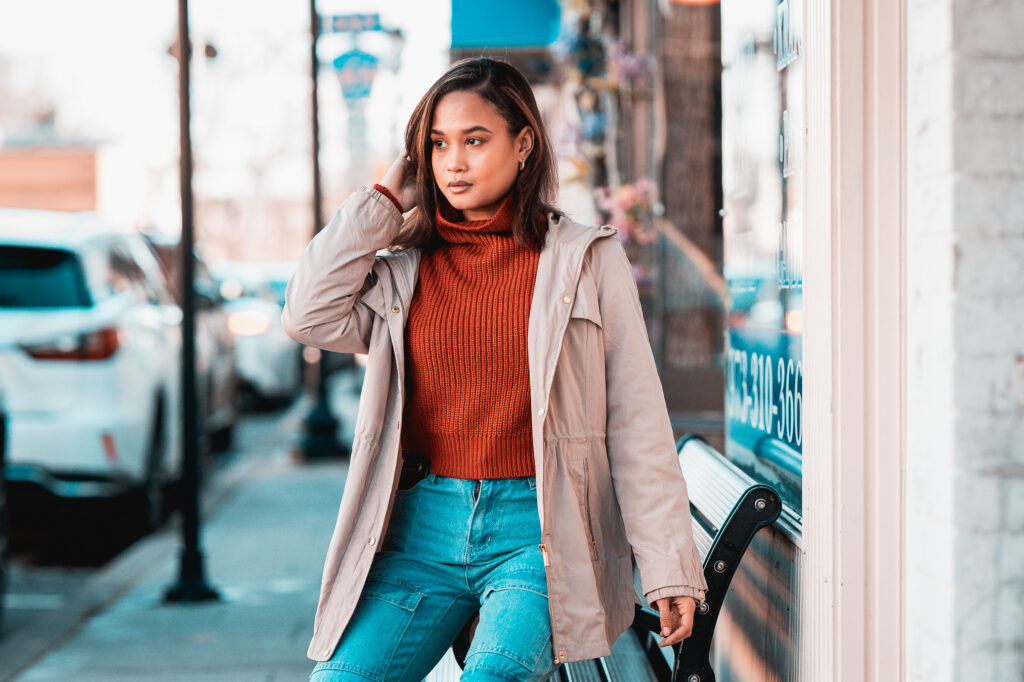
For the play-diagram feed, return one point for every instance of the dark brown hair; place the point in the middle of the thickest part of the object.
(535, 187)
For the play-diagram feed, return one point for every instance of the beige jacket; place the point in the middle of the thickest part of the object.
(608, 482)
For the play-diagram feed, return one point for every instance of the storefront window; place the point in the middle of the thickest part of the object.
(762, 147)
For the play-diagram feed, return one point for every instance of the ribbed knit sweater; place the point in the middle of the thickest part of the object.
(467, 405)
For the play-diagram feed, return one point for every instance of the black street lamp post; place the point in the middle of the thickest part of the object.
(320, 427)
(191, 585)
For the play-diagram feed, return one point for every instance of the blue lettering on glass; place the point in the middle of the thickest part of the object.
(753, 399)
(788, 265)
(764, 395)
(785, 41)
(785, 157)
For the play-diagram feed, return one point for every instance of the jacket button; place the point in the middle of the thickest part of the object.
(372, 541)
(540, 411)
(561, 654)
(394, 309)
(566, 299)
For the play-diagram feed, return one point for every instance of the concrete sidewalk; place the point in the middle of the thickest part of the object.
(264, 548)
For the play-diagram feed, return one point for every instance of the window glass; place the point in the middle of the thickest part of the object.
(152, 277)
(127, 275)
(762, 162)
(123, 275)
(41, 278)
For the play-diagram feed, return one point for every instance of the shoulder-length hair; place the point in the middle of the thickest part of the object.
(535, 188)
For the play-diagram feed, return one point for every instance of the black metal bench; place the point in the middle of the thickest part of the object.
(728, 508)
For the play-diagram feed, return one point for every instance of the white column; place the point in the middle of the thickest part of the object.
(851, 607)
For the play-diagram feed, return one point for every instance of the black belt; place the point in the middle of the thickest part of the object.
(415, 468)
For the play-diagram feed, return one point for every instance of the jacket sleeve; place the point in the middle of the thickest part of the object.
(322, 300)
(645, 471)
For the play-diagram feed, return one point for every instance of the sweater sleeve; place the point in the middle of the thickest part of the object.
(386, 192)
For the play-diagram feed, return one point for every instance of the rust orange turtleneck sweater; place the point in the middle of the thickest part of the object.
(467, 405)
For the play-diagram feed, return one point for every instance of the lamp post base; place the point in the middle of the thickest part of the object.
(191, 585)
(320, 434)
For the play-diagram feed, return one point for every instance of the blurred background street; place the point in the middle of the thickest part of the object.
(833, 185)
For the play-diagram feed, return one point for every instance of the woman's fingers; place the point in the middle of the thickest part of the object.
(664, 611)
(676, 616)
(400, 179)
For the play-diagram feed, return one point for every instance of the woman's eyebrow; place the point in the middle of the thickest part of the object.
(467, 131)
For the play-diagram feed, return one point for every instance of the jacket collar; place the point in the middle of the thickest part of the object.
(565, 244)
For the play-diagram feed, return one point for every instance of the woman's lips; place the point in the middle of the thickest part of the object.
(459, 187)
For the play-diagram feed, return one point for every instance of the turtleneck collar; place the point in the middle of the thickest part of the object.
(465, 231)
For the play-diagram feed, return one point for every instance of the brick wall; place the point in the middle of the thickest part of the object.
(965, 340)
(59, 179)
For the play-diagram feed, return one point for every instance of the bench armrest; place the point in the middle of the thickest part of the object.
(728, 509)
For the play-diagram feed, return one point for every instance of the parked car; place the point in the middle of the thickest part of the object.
(269, 361)
(216, 362)
(90, 348)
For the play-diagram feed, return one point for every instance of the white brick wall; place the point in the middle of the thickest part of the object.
(965, 340)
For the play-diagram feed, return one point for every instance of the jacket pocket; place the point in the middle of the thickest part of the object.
(579, 469)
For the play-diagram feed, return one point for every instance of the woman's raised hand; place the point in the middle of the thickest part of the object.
(401, 181)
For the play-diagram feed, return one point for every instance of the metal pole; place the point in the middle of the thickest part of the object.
(191, 585)
(320, 437)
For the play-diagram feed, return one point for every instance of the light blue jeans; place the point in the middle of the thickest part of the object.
(452, 547)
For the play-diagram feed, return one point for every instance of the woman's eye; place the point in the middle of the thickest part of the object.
(438, 144)
(474, 141)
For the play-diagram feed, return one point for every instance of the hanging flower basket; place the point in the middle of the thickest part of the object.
(630, 208)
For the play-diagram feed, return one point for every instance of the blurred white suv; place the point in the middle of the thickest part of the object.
(90, 347)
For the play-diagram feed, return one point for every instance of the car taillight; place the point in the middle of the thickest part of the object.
(97, 345)
(248, 323)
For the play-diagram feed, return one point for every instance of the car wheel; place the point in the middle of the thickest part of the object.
(151, 498)
(221, 439)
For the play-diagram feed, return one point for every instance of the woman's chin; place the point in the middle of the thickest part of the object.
(461, 202)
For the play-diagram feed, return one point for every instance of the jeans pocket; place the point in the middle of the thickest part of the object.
(386, 608)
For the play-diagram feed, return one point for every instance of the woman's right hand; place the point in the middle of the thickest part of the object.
(401, 181)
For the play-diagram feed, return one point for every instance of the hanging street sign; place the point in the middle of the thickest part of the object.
(356, 70)
(350, 23)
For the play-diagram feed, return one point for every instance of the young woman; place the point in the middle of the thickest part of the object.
(513, 453)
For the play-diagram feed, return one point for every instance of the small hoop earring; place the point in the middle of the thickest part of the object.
(522, 164)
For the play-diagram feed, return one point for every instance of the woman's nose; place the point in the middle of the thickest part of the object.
(456, 161)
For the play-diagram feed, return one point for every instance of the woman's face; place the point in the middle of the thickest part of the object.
(474, 157)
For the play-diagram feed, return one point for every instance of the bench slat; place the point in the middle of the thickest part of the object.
(712, 487)
(581, 671)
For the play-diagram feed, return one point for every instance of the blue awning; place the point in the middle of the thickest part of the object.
(504, 23)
